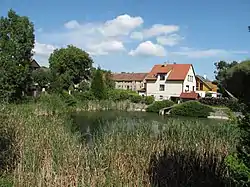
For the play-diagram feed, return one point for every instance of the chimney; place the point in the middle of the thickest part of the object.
(205, 76)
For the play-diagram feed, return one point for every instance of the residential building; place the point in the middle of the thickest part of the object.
(129, 81)
(34, 65)
(205, 87)
(168, 81)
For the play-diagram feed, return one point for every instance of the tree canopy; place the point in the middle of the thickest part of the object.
(16, 44)
(42, 77)
(237, 79)
(69, 66)
(98, 87)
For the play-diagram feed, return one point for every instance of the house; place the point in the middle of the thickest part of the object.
(169, 81)
(205, 87)
(129, 81)
(34, 65)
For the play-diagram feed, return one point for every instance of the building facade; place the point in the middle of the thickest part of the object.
(129, 81)
(205, 87)
(168, 81)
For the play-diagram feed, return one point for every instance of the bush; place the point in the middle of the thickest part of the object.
(148, 100)
(239, 172)
(234, 105)
(135, 98)
(84, 96)
(158, 105)
(192, 109)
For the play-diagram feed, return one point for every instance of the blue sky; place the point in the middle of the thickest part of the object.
(133, 35)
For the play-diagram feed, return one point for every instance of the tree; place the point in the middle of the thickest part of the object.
(42, 77)
(237, 80)
(16, 44)
(220, 73)
(98, 86)
(68, 66)
(107, 77)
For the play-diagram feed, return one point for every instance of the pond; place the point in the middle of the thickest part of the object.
(90, 122)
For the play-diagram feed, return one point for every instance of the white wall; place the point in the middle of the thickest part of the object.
(172, 88)
(192, 85)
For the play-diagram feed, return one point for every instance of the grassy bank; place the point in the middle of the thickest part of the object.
(50, 154)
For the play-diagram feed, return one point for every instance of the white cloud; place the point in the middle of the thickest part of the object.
(105, 47)
(155, 30)
(194, 53)
(43, 49)
(121, 25)
(73, 24)
(169, 40)
(136, 35)
(148, 49)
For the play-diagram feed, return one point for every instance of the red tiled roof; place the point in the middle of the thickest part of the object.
(189, 95)
(178, 71)
(129, 76)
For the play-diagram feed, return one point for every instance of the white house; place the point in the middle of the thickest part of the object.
(169, 81)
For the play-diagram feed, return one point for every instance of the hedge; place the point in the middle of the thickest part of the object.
(233, 104)
(158, 105)
(191, 109)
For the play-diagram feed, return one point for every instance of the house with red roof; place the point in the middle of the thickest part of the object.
(129, 81)
(170, 81)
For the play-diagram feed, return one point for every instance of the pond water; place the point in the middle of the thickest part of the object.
(90, 122)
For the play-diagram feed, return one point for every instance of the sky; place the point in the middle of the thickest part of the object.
(133, 35)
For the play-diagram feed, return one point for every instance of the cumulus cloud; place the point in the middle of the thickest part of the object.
(155, 30)
(148, 49)
(194, 53)
(43, 49)
(169, 40)
(121, 25)
(73, 24)
(96, 38)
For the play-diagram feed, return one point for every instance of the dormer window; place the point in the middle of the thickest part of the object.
(162, 77)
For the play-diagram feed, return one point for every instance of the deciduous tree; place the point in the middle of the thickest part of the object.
(16, 44)
(68, 66)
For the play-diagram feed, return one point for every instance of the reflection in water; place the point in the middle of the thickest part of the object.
(90, 123)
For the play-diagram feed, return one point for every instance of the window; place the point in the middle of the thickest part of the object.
(187, 88)
(162, 87)
(190, 78)
(127, 87)
(162, 77)
(161, 97)
(193, 88)
(201, 86)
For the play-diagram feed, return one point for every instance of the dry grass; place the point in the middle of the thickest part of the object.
(51, 155)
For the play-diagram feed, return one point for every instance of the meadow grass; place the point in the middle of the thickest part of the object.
(50, 154)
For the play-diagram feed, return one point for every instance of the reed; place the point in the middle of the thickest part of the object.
(51, 154)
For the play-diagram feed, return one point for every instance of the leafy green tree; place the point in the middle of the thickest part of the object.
(107, 76)
(220, 74)
(237, 79)
(69, 65)
(42, 77)
(16, 44)
(98, 86)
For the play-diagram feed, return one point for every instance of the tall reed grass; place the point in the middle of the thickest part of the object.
(50, 154)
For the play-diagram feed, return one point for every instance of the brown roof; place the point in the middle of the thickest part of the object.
(34, 64)
(189, 95)
(129, 76)
(177, 71)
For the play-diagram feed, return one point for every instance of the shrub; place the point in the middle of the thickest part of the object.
(148, 100)
(234, 105)
(68, 99)
(192, 109)
(239, 172)
(84, 96)
(118, 95)
(158, 105)
(135, 98)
